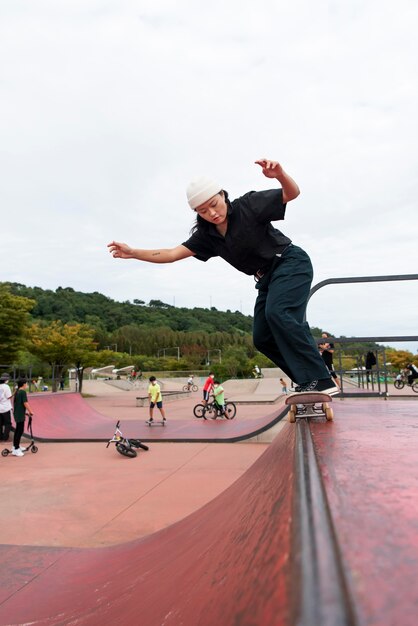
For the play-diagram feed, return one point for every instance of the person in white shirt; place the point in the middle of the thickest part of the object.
(5, 408)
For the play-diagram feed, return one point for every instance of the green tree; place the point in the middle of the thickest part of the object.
(63, 345)
(234, 363)
(14, 317)
(399, 358)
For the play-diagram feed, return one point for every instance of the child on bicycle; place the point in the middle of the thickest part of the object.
(219, 396)
(190, 381)
(207, 388)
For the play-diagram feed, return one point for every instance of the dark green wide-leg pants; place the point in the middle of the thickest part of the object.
(280, 331)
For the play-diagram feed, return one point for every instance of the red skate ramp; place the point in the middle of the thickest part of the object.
(68, 417)
(320, 531)
(368, 462)
(226, 564)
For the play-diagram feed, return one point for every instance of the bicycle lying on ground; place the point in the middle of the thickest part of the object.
(125, 446)
(402, 380)
(212, 410)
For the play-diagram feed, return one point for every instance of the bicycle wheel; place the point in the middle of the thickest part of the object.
(195, 388)
(210, 412)
(136, 443)
(186, 388)
(230, 410)
(125, 450)
(399, 384)
(199, 410)
(415, 387)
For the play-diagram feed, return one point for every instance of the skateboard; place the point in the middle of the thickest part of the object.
(156, 423)
(309, 404)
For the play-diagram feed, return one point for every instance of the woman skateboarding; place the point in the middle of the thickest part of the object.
(240, 232)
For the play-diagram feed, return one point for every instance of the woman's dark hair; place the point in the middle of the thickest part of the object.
(200, 223)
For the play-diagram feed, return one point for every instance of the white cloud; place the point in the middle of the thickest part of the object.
(109, 108)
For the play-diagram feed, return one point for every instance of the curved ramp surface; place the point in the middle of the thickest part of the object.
(68, 417)
(227, 563)
(368, 461)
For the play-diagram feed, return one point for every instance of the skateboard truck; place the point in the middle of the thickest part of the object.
(309, 404)
(155, 422)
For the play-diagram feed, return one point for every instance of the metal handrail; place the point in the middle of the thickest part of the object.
(361, 279)
(366, 279)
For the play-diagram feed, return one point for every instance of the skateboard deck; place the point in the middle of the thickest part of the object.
(309, 404)
(155, 423)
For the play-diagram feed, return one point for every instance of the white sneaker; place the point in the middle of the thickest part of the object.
(22, 449)
(17, 452)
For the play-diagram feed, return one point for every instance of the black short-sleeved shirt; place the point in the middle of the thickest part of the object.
(251, 242)
(328, 356)
(19, 405)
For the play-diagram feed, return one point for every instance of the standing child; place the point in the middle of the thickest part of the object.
(284, 386)
(21, 406)
(208, 387)
(155, 398)
(219, 396)
(5, 408)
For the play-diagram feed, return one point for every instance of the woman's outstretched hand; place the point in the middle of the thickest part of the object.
(120, 250)
(271, 169)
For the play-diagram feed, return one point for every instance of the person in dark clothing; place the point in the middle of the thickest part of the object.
(326, 350)
(21, 407)
(413, 369)
(370, 363)
(240, 231)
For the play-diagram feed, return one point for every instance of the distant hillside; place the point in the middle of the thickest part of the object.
(68, 305)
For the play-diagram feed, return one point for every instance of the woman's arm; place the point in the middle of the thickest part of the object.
(167, 255)
(273, 169)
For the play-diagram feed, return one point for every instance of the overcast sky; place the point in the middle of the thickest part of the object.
(110, 107)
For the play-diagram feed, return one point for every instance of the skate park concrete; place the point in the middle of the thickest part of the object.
(242, 557)
(70, 417)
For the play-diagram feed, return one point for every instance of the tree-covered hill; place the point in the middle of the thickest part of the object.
(99, 311)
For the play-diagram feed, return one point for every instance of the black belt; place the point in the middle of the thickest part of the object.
(264, 270)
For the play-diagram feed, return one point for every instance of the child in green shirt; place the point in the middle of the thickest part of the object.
(219, 396)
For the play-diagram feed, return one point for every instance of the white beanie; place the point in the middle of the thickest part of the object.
(200, 190)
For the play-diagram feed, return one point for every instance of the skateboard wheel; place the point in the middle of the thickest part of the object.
(329, 413)
(292, 415)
